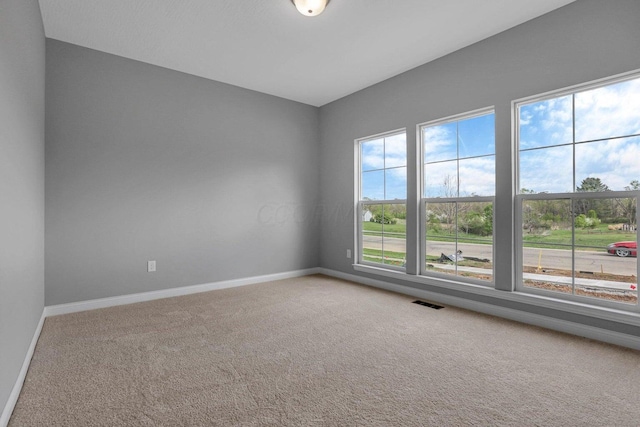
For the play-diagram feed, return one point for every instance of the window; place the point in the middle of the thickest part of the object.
(578, 195)
(576, 182)
(382, 204)
(458, 190)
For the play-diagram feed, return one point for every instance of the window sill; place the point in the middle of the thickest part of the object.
(603, 313)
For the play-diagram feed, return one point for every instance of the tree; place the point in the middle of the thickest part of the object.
(385, 218)
(473, 223)
(442, 215)
(633, 185)
(488, 220)
(627, 206)
(477, 219)
(397, 210)
(592, 185)
(587, 221)
(450, 188)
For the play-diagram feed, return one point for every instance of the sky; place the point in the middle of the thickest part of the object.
(602, 116)
(459, 156)
(384, 168)
(462, 151)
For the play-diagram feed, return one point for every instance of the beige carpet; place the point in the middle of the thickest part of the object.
(316, 351)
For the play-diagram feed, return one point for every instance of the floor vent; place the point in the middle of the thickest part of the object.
(428, 304)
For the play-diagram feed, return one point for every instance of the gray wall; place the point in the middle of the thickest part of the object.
(586, 40)
(212, 181)
(22, 63)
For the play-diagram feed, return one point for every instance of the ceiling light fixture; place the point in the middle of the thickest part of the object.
(310, 7)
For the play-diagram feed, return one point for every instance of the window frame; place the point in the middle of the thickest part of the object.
(519, 197)
(359, 203)
(422, 200)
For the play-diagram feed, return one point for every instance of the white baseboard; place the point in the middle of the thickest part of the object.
(17, 387)
(572, 328)
(74, 307)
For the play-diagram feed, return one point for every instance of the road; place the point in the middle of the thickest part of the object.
(549, 259)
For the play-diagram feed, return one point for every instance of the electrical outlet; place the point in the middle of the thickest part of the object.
(349, 253)
(151, 266)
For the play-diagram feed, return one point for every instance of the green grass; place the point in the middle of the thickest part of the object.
(378, 253)
(375, 229)
(597, 238)
(391, 258)
(445, 236)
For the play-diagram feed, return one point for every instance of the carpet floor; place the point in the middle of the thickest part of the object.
(317, 351)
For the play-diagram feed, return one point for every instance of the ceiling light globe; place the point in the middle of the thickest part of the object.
(310, 7)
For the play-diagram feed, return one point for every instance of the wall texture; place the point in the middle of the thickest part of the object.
(212, 181)
(586, 40)
(22, 78)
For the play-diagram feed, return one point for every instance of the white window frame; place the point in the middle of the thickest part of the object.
(359, 203)
(423, 271)
(519, 198)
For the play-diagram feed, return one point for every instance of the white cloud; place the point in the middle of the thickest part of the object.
(601, 113)
(615, 161)
(608, 112)
(439, 142)
(395, 150)
(373, 154)
(477, 176)
(547, 169)
(384, 152)
(546, 123)
(435, 176)
(525, 117)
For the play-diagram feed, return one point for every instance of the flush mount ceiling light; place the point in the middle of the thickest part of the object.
(310, 7)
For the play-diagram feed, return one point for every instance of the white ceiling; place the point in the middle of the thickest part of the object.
(266, 45)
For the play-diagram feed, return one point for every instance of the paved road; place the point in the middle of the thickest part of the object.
(546, 258)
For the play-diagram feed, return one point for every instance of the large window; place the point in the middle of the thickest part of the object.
(570, 183)
(382, 200)
(579, 182)
(458, 190)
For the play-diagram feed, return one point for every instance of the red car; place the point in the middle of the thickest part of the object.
(623, 249)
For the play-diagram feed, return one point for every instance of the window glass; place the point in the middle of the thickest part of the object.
(395, 151)
(614, 161)
(440, 142)
(384, 233)
(585, 145)
(547, 169)
(546, 123)
(608, 112)
(459, 239)
(383, 190)
(477, 176)
(441, 179)
(373, 185)
(476, 136)
(372, 156)
(459, 163)
(460, 157)
(396, 183)
(584, 247)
